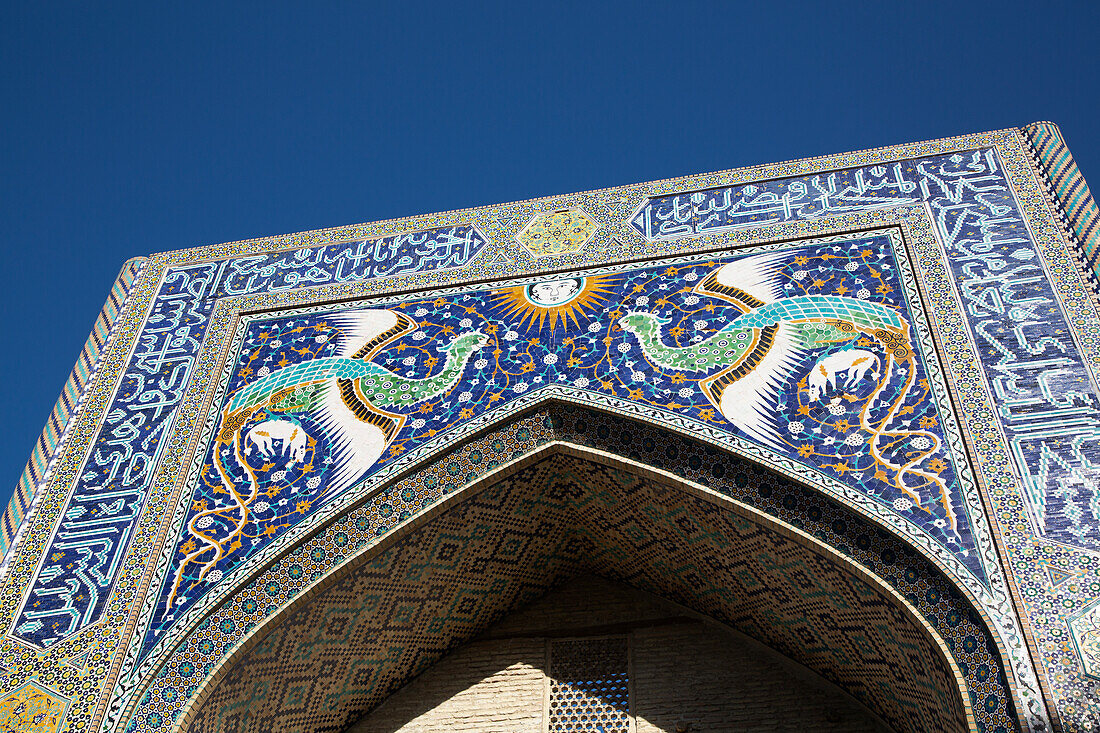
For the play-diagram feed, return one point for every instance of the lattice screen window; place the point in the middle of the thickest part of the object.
(590, 686)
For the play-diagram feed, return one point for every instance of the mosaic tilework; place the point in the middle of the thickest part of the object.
(35, 473)
(1047, 408)
(521, 536)
(1069, 186)
(1024, 303)
(702, 464)
(854, 399)
(1085, 630)
(557, 233)
(89, 545)
(589, 685)
(31, 709)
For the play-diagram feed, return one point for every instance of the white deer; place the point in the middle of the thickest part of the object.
(855, 362)
(293, 439)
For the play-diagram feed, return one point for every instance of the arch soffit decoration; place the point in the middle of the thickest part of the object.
(311, 528)
(945, 560)
(949, 562)
(569, 444)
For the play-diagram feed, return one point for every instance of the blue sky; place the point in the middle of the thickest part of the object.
(135, 128)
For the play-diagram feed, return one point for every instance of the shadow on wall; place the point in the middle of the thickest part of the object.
(592, 654)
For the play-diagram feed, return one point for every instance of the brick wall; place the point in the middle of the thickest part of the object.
(686, 674)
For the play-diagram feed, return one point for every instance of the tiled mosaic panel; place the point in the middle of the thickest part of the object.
(31, 709)
(385, 623)
(913, 576)
(983, 228)
(1048, 407)
(32, 481)
(88, 547)
(809, 351)
(589, 684)
(543, 523)
(968, 194)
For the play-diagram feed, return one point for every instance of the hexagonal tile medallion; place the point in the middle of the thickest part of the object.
(557, 232)
(31, 709)
(1085, 630)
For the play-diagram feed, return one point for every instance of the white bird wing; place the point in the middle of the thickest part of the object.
(755, 275)
(354, 444)
(358, 434)
(360, 328)
(750, 402)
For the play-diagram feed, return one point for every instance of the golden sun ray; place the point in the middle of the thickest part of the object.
(558, 299)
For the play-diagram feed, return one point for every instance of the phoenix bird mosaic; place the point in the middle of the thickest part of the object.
(808, 352)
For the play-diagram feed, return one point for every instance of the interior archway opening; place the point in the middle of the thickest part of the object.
(485, 554)
(594, 654)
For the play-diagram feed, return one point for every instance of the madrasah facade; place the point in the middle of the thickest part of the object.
(811, 446)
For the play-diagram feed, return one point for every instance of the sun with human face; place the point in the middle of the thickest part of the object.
(554, 299)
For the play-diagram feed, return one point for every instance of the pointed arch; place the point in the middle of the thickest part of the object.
(568, 505)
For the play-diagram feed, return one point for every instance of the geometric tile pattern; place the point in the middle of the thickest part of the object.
(31, 479)
(923, 585)
(100, 520)
(996, 227)
(387, 620)
(589, 686)
(557, 233)
(1085, 631)
(1069, 187)
(880, 430)
(31, 709)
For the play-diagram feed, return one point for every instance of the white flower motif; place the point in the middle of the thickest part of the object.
(409, 360)
(550, 359)
(465, 397)
(920, 442)
(581, 382)
(519, 387)
(700, 325)
(638, 376)
(800, 274)
(322, 338)
(624, 347)
(313, 483)
(851, 267)
(213, 576)
(275, 344)
(642, 300)
(854, 439)
(795, 428)
(691, 277)
(262, 506)
(465, 323)
(594, 326)
(421, 312)
(902, 504)
(863, 293)
(691, 300)
(511, 336)
(685, 392)
(278, 475)
(481, 363)
(941, 523)
(836, 408)
(204, 522)
(418, 423)
(263, 372)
